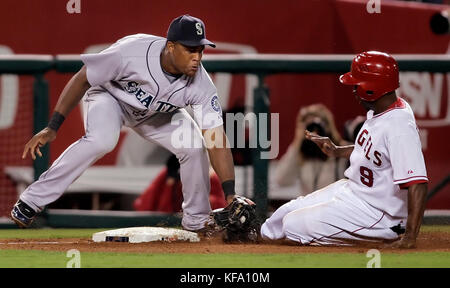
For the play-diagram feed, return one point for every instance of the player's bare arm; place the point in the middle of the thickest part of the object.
(416, 205)
(328, 147)
(220, 156)
(69, 98)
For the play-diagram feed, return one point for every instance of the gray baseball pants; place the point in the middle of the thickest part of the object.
(103, 123)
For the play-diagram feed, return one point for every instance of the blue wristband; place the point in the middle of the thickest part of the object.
(228, 188)
(56, 121)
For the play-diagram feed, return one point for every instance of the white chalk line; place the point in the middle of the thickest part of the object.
(37, 243)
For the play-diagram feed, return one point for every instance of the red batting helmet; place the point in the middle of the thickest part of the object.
(375, 74)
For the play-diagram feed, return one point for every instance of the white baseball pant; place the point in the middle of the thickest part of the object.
(333, 215)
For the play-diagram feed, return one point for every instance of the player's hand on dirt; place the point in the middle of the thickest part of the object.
(403, 243)
(325, 144)
(38, 140)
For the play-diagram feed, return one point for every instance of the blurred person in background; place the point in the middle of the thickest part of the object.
(304, 160)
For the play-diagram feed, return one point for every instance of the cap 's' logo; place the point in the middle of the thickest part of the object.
(199, 28)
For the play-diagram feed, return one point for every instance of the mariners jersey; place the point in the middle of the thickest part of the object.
(387, 157)
(130, 70)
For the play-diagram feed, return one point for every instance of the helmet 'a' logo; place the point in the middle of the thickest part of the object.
(364, 68)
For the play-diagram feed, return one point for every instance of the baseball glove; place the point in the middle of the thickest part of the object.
(238, 220)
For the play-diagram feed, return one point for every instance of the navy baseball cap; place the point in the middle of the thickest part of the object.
(189, 31)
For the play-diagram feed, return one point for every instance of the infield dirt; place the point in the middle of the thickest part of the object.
(427, 242)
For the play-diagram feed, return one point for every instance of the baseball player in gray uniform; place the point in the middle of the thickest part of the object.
(144, 82)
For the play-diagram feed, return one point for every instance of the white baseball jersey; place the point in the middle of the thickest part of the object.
(387, 157)
(131, 72)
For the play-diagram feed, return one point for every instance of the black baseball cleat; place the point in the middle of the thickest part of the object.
(22, 214)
